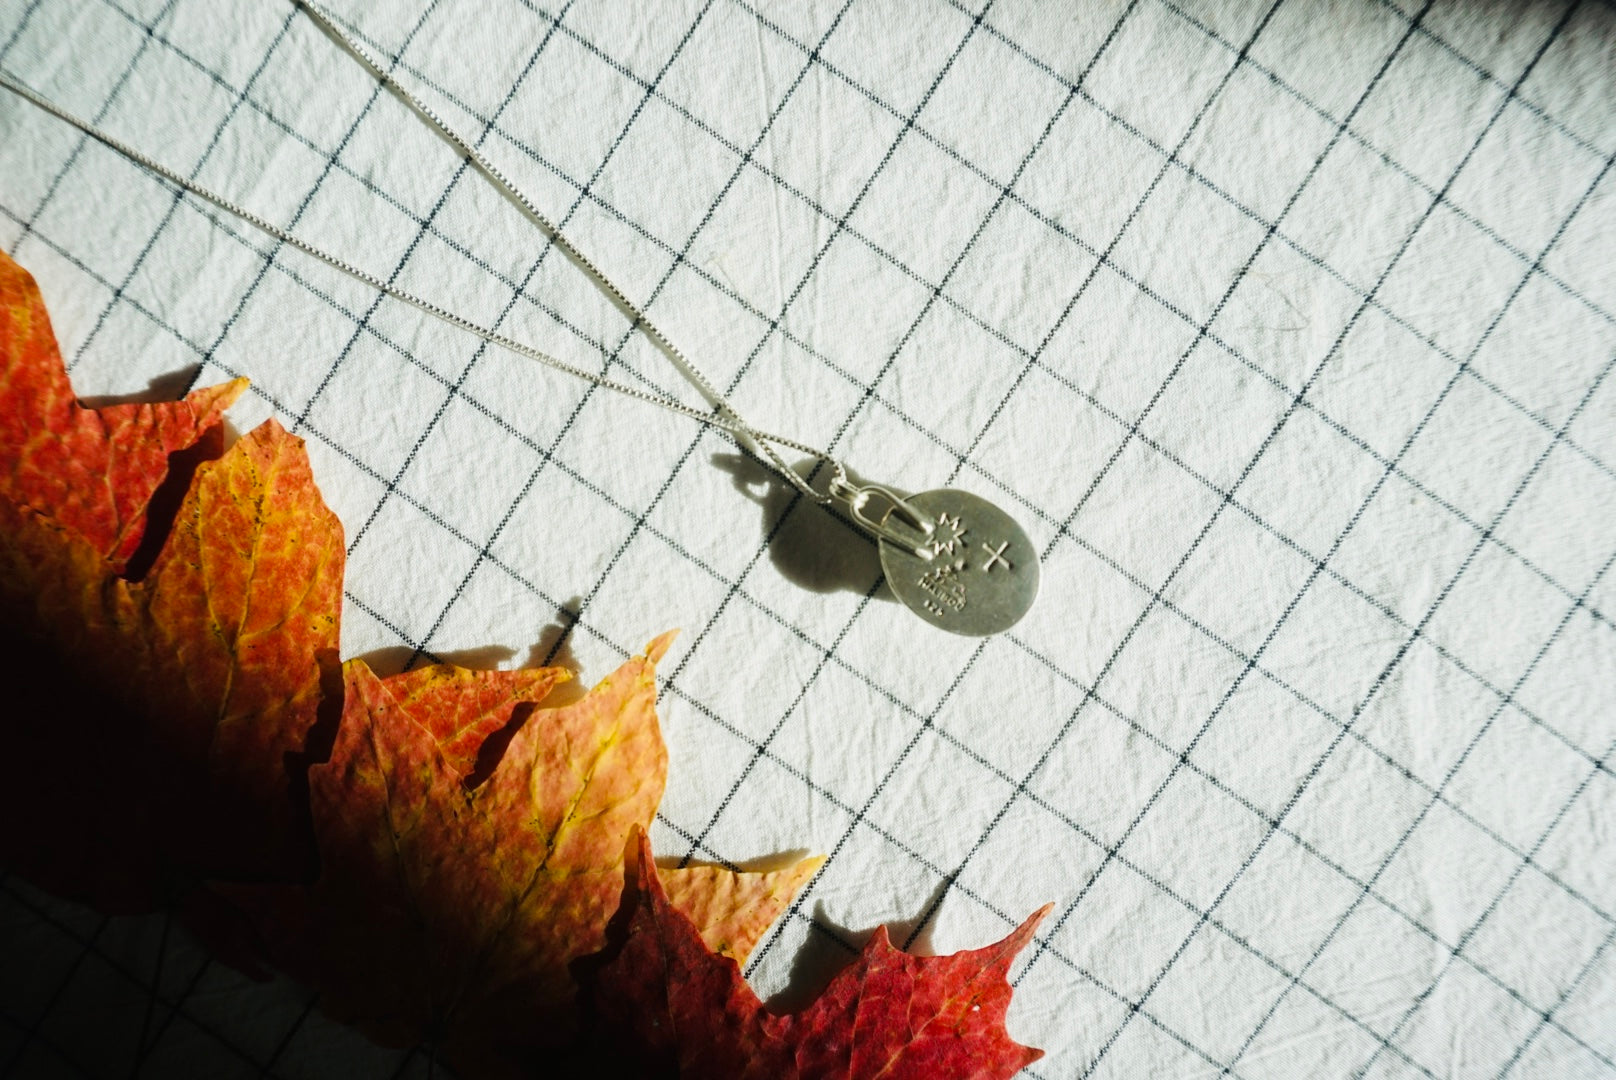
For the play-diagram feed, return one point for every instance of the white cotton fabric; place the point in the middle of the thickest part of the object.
(1285, 329)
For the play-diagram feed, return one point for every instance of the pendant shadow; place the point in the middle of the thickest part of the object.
(815, 547)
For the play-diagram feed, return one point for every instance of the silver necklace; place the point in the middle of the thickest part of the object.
(951, 557)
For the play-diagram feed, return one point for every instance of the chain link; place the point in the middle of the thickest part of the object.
(725, 419)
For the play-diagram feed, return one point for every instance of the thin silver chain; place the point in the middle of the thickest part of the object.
(726, 418)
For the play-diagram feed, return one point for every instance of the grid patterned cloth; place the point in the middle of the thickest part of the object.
(1286, 329)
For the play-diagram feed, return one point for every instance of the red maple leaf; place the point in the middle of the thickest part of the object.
(888, 1015)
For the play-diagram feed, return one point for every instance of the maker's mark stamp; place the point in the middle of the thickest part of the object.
(945, 590)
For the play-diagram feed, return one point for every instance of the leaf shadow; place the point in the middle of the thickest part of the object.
(830, 947)
(395, 659)
(763, 864)
(814, 547)
(552, 647)
(167, 387)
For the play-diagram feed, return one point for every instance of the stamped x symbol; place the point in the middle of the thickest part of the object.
(996, 557)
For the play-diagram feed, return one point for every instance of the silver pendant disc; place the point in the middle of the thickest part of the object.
(982, 576)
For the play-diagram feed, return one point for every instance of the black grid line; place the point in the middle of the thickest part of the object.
(1599, 763)
(1252, 516)
(680, 259)
(673, 687)
(1060, 230)
(155, 981)
(1381, 679)
(1060, 376)
(756, 596)
(1396, 166)
(1065, 527)
(453, 389)
(547, 247)
(796, 291)
(1470, 932)
(1407, 174)
(422, 229)
(922, 132)
(1464, 937)
(1560, 626)
(1358, 590)
(1111, 850)
(697, 840)
(842, 428)
(302, 207)
(1080, 541)
(470, 543)
(87, 946)
(794, 913)
(178, 197)
(1210, 335)
(288, 1035)
(1530, 668)
(83, 141)
(1177, 567)
(1546, 1019)
(21, 28)
(171, 1010)
(31, 1029)
(1207, 182)
(1482, 71)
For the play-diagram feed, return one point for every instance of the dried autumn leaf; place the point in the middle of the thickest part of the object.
(888, 1015)
(451, 912)
(93, 471)
(162, 721)
(471, 860)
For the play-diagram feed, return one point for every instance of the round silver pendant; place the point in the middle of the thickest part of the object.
(981, 575)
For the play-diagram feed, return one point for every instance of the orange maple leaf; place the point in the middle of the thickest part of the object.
(470, 842)
(452, 912)
(682, 1010)
(193, 691)
(443, 904)
(93, 471)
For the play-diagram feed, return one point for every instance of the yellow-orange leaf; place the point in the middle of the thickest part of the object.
(453, 913)
(196, 689)
(178, 705)
(732, 911)
(178, 677)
